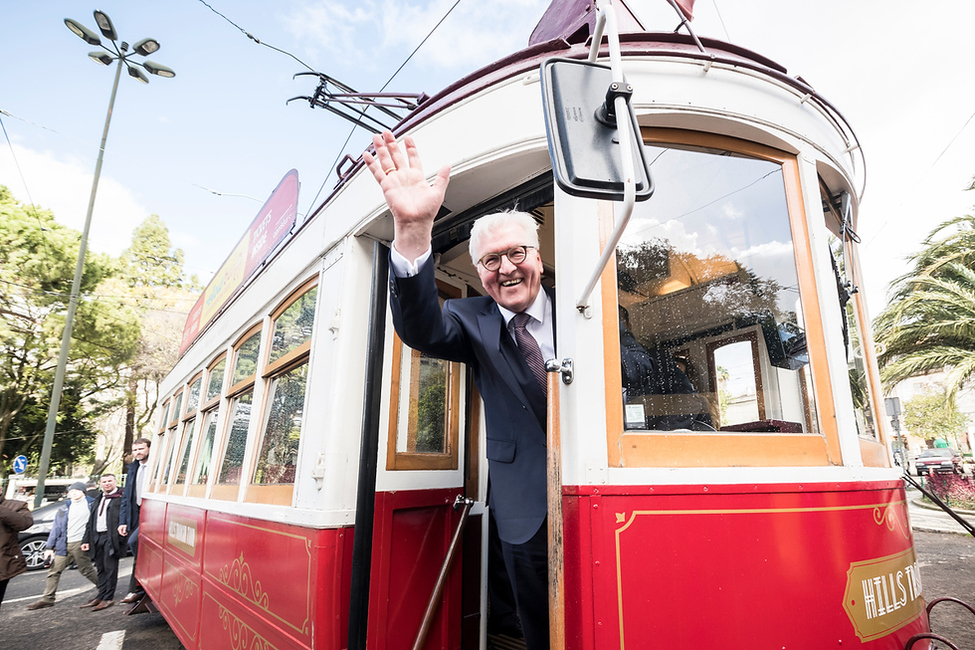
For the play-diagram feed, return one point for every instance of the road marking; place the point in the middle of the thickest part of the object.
(63, 594)
(112, 640)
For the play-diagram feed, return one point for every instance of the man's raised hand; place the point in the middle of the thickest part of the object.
(413, 201)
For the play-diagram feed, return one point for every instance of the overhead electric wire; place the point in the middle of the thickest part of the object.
(385, 85)
(33, 206)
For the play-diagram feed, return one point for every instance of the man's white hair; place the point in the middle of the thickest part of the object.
(487, 227)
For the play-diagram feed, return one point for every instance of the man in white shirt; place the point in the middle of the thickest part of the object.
(136, 482)
(103, 542)
(64, 544)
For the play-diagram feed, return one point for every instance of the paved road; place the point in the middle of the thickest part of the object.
(66, 627)
(945, 554)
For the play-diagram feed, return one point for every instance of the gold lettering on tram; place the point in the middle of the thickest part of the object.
(883, 595)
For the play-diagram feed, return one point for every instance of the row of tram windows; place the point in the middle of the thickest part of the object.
(237, 423)
(705, 333)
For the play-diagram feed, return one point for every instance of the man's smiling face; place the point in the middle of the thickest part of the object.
(513, 286)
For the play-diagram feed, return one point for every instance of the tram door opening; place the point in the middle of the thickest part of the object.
(431, 453)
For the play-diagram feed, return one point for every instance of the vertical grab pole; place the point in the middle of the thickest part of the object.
(556, 558)
(606, 20)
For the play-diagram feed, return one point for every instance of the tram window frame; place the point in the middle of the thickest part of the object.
(414, 460)
(244, 338)
(652, 448)
(159, 444)
(248, 384)
(873, 449)
(209, 407)
(195, 383)
(208, 401)
(300, 355)
(751, 336)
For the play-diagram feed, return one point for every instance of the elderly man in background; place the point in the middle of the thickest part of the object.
(14, 517)
(64, 543)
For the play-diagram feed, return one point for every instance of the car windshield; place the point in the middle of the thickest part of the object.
(936, 453)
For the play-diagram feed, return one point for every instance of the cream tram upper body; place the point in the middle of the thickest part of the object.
(489, 128)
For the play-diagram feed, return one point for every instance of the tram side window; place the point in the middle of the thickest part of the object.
(204, 459)
(852, 333)
(215, 380)
(424, 420)
(189, 437)
(243, 375)
(287, 370)
(233, 452)
(711, 325)
(199, 475)
(159, 445)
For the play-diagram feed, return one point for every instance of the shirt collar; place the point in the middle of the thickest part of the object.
(539, 309)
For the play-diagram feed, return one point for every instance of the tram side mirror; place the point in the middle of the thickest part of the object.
(583, 137)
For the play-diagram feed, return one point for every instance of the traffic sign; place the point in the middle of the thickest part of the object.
(20, 464)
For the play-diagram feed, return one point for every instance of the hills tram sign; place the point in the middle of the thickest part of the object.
(270, 227)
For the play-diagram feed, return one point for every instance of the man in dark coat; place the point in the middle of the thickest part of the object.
(136, 479)
(14, 517)
(502, 337)
(103, 542)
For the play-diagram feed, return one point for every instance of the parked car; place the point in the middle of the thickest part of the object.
(940, 460)
(33, 539)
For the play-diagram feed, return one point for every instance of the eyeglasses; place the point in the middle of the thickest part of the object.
(515, 255)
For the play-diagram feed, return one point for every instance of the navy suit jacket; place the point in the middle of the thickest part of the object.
(129, 511)
(472, 331)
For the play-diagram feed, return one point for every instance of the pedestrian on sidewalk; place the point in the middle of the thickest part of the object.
(103, 542)
(15, 516)
(64, 543)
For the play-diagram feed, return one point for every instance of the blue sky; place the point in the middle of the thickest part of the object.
(897, 70)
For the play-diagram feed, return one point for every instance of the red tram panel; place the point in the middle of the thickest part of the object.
(635, 576)
(253, 581)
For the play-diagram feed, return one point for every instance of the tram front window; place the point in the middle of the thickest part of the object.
(711, 325)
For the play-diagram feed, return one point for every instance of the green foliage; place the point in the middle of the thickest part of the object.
(929, 324)
(933, 414)
(149, 261)
(432, 406)
(130, 313)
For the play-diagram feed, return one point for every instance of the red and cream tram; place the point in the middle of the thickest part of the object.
(308, 464)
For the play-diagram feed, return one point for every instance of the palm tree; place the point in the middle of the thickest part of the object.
(929, 324)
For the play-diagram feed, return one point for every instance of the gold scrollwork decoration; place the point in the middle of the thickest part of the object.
(242, 637)
(183, 589)
(238, 577)
(889, 517)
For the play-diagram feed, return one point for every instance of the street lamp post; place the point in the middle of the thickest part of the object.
(120, 53)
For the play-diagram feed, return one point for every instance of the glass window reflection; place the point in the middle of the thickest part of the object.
(278, 456)
(711, 330)
(233, 452)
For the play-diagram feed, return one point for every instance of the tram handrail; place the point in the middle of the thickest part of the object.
(464, 503)
(944, 506)
(607, 19)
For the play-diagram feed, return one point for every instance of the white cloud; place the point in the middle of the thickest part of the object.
(473, 34)
(63, 186)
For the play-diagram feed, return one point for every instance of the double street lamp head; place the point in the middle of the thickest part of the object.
(145, 47)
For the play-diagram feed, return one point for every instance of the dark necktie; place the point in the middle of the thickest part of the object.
(530, 350)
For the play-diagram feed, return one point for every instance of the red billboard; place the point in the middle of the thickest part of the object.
(270, 227)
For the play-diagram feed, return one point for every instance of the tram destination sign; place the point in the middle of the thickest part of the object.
(270, 227)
